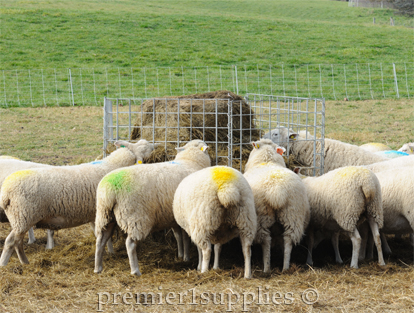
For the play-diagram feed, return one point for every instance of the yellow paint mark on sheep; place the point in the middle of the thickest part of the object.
(377, 145)
(351, 171)
(278, 174)
(8, 157)
(16, 176)
(222, 175)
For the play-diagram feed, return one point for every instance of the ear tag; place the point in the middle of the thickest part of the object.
(257, 145)
(122, 146)
(292, 137)
(139, 162)
(280, 151)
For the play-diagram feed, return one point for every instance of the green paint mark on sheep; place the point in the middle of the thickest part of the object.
(118, 180)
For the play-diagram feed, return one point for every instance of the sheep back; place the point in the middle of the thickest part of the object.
(212, 201)
(343, 195)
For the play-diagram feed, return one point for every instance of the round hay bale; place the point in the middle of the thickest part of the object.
(172, 120)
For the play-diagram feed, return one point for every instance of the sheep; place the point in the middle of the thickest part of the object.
(214, 205)
(391, 154)
(337, 153)
(9, 165)
(407, 148)
(139, 199)
(341, 200)
(280, 199)
(375, 147)
(397, 185)
(391, 164)
(59, 196)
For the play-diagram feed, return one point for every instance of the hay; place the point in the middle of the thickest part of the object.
(173, 120)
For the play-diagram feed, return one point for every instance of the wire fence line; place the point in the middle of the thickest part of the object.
(88, 86)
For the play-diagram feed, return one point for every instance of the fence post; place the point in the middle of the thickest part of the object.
(71, 86)
(395, 79)
(237, 81)
(108, 123)
(30, 85)
(333, 82)
(43, 83)
(17, 88)
(4, 85)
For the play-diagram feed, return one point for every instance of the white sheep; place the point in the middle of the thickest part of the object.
(407, 148)
(280, 199)
(391, 154)
(397, 186)
(374, 147)
(215, 205)
(339, 201)
(391, 164)
(59, 196)
(139, 199)
(9, 165)
(337, 154)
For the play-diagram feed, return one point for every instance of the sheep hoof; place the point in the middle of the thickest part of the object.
(136, 273)
(97, 270)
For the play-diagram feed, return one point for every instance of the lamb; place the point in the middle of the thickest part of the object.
(391, 154)
(214, 205)
(341, 200)
(337, 153)
(407, 148)
(397, 185)
(407, 161)
(280, 199)
(9, 165)
(139, 199)
(60, 196)
(375, 147)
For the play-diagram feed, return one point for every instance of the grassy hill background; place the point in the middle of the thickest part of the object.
(137, 33)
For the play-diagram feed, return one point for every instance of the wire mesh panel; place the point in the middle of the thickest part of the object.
(305, 116)
(227, 125)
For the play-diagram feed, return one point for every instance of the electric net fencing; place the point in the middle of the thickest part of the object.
(84, 87)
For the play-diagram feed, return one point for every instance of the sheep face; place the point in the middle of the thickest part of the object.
(142, 149)
(281, 136)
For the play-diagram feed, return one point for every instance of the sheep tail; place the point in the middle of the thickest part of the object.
(228, 195)
(373, 201)
(105, 203)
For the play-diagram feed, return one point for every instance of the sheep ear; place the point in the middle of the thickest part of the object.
(280, 150)
(204, 148)
(121, 144)
(296, 170)
(293, 136)
(255, 145)
(179, 149)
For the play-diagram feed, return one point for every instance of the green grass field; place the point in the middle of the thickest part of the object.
(91, 33)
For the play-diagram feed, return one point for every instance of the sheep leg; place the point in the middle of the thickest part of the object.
(32, 237)
(109, 244)
(356, 246)
(132, 255)
(387, 249)
(287, 252)
(266, 245)
(9, 244)
(376, 235)
(50, 244)
(179, 238)
(206, 253)
(247, 252)
(101, 239)
(19, 249)
(186, 243)
(217, 250)
(310, 240)
(200, 258)
(335, 243)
